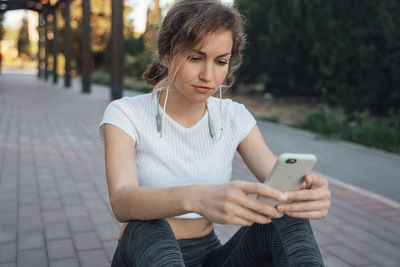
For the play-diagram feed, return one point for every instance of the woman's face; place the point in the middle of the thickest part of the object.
(203, 71)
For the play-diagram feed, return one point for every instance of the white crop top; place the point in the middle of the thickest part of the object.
(182, 156)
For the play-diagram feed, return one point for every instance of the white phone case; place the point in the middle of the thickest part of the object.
(288, 174)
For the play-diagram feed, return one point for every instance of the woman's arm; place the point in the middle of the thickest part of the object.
(128, 200)
(227, 204)
(314, 197)
(256, 154)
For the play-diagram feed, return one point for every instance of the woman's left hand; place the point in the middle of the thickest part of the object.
(312, 201)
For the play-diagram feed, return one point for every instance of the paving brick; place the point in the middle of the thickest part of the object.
(65, 263)
(33, 223)
(324, 239)
(93, 258)
(49, 194)
(29, 198)
(53, 216)
(347, 255)
(75, 211)
(86, 240)
(94, 204)
(50, 203)
(8, 252)
(8, 218)
(72, 199)
(81, 224)
(8, 233)
(57, 231)
(108, 231)
(28, 210)
(332, 261)
(102, 217)
(29, 240)
(36, 257)
(109, 247)
(60, 248)
(8, 205)
(8, 264)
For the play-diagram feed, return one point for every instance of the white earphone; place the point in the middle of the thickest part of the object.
(160, 121)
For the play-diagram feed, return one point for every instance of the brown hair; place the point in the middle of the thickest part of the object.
(186, 24)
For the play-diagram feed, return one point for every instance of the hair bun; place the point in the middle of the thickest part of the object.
(155, 73)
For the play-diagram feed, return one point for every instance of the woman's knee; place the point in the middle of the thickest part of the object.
(296, 239)
(149, 243)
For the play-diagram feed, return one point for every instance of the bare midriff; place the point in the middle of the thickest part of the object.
(186, 228)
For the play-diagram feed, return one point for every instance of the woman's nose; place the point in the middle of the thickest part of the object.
(206, 72)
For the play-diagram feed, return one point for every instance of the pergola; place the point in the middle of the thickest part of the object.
(46, 8)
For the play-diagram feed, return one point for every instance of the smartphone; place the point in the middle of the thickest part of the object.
(288, 174)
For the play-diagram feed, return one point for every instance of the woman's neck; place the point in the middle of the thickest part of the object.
(184, 112)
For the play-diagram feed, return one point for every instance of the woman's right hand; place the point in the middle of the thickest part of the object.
(231, 204)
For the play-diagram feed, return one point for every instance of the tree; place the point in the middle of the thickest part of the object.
(23, 44)
(343, 51)
(100, 29)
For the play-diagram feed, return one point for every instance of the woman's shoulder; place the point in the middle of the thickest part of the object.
(132, 103)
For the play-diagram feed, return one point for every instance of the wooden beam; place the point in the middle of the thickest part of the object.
(86, 50)
(117, 49)
(46, 47)
(55, 46)
(40, 44)
(67, 45)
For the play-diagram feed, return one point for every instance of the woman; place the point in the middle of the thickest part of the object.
(169, 159)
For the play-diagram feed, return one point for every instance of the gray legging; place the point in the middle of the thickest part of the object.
(285, 241)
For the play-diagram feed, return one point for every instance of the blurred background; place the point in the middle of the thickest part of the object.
(331, 67)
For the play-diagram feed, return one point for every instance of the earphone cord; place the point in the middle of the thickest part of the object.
(220, 111)
(165, 105)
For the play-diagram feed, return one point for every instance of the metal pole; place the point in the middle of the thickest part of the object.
(67, 45)
(117, 49)
(55, 46)
(86, 51)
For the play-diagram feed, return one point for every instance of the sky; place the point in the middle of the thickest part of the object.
(14, 18)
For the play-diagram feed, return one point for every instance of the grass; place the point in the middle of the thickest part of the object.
(130, 83)
(268, 118)
(361, 128)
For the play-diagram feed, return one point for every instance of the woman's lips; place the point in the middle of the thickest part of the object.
(202, 89)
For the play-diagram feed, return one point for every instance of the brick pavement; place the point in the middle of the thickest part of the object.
(54, 207)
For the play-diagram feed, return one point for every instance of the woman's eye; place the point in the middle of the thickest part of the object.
(194, 58)
(222, 62)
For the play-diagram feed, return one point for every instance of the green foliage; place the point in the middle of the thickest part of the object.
(360, 128)
(136, 57)
(103, 77)
(346, 52)
(271, 118)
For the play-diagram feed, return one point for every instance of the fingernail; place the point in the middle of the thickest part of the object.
(283, 197)
(281, 208)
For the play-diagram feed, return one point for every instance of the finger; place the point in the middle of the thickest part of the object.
(304, 206)
(309, 194)
(242, 222)
(263, 190)
(315, 181)
(308, 214)
(252, 216)
(261, 207)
